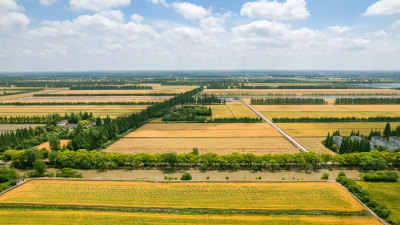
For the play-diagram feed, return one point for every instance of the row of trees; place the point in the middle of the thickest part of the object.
(95, 136)
(81, 103)
(83, 159)
(300, 87)
(50, 119)
(367, 101)
(110, 87)
(335, 119)
(288, 101)
(209, 99)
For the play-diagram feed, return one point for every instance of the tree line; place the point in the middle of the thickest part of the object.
(18, 91)
(367, 101)
(206, 99)
(287, 101)
(81, 103)
(83, 159)
(50, 119)
(335, 119)
(110, 87)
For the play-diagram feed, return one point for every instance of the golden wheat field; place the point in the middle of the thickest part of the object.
(322, 129)
(36, 217)
(220, 138)
(296, 111)
(97, 110)
(212, 130)
(235, 109)
(92, 99)
(266, 196)
(45, 91)
(314, 144)
(156, 89)
(222, 146)
(13, 127)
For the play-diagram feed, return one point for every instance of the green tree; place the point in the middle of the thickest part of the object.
(40, 167)
(55, 143)
(387, 131)
(172, 159)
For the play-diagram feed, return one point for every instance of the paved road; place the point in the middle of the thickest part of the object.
(290, 139)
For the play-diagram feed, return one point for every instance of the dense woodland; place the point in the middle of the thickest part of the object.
(288, 101)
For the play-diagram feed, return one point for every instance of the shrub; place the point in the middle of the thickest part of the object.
(383, 175)
(325, 176)
(68, 173)
(186, 176)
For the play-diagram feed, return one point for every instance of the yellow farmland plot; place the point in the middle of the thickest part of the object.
(295, 111)
(220, 138)
(97, 110)
(35, 217)
(263, 196)
(212, 130)
(221, 146)
(156, 89)
(322, 129)
(234, 109)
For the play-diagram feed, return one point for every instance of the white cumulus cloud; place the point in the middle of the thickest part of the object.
(189, 10)
(11, 16)
(47, 2)
(289, 10)
(383, 7)
(339, 29)
(396, 24)
(97, 5)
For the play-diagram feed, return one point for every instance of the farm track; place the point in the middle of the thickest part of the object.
(290, 139)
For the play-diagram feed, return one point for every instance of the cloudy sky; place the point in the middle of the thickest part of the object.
(75, 35)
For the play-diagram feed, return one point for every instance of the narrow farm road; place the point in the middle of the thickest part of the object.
(290, 139)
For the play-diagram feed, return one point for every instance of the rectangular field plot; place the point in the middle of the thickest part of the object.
(212, 130)
(97, 110)
(263, 196)
(156, 89)
(296, 111)
(232, 110)
(322, 129)
(14, 127)
(386, 194)
(93, 99)
(222, 146)
(34, 217)
(220, 138)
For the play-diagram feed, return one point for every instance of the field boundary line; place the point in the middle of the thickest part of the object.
(362, 203)
(176, 210)
(290, 139)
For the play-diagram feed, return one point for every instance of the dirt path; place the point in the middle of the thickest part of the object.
(290, 139)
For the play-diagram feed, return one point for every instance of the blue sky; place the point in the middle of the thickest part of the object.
(71, 35)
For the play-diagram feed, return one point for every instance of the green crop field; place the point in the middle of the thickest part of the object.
(386, 194)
